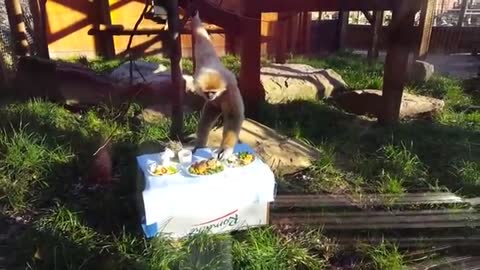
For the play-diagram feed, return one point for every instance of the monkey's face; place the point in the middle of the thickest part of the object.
(212, 94)
(210, 84)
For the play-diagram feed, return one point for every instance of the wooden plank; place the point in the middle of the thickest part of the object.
(427, 17)
(450, 262)
(374, 42)
(380, 220)
(17, 27)
(409, 242)
(250, 86)
(176, 69)
(305, 201)
(395, 70)
(331, 5)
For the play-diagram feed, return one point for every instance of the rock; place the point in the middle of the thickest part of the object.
(64, 82)
(282, 154)
(369, 102)
(420, 71)
(286, 82)
(158, 89)
(140, 68)
(159, 112)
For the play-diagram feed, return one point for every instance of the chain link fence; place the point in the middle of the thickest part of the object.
(7, 52)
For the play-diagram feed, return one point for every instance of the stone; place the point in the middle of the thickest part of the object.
(64, 82)
(287, 82)
(420, 71)
(140, 68)
(368, 102)
(158, 112)
(283, 155)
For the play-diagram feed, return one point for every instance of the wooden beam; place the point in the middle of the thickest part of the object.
(210, 13)
(331, 5)
(119, 30)
(341, 30)
(176, 68)
(17, 26)
(427, 17)
(395, 71)
(463, 10)
(376, 28)
(252, 91)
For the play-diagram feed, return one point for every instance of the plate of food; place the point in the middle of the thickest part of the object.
(205, 167)
(161, 170)
(240, 159)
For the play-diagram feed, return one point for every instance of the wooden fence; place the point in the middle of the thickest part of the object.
(69, 24)
(443, 39)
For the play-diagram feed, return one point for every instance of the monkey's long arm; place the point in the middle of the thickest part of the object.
(205, 54)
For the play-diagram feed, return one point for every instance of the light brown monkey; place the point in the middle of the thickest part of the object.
(219, 87)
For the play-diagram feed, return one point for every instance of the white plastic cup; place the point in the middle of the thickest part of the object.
(185, 157)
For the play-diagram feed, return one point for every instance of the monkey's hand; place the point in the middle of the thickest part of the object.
(224, 153)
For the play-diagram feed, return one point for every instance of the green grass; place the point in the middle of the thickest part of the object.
(46, 150)
(384, 256)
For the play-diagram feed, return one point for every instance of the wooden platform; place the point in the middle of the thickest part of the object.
(375, 212)
(248, 19)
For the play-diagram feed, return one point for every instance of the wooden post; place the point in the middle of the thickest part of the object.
(229, 43)
(396, 63)
(463, 10)
(251, 88)
(17, 26)
(308, 32)
(281, 39)
(107, 47)
(376, 28)
(425, 28)
(176, 68)
(341, 30)
(38, 12)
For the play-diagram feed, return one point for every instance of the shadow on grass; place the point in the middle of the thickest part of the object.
(356, 141)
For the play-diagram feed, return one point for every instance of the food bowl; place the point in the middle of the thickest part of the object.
(205, 167)
(156, 169)
(240, 159)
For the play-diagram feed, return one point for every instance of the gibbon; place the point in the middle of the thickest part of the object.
(219, 87)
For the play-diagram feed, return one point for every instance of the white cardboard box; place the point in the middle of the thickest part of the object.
(253, 215)
(180, 205)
